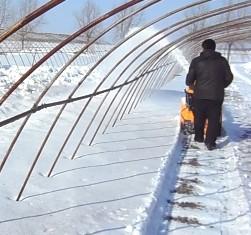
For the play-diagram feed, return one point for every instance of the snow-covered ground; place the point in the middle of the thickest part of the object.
(140, 177)
(212, 193)
(125, 182)
(108, 185)
(106, 188)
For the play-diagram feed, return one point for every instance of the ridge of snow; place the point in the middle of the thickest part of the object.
(150, 216)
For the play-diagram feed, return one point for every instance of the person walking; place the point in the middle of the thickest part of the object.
(209, 74)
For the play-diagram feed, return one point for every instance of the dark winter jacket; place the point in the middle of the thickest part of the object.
(209, 73)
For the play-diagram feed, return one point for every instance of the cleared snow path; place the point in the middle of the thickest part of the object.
(209, 196)
(213, 190)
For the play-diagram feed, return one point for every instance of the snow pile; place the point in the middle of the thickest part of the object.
(42, 77)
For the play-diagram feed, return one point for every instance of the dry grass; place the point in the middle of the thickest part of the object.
(184, 220)
(195, 180)
(184, 188)
(190, 205)
(192, 162)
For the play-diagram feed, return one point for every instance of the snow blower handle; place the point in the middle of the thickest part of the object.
(189, 97)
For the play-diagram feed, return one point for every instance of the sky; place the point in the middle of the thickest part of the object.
(61, 19)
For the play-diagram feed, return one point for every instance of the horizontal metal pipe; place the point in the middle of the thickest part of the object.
(43, 106)
(200, 2)
(95, 91)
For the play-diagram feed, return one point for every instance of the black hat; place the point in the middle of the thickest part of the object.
(209, 44)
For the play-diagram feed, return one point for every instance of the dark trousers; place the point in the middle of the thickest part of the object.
(207, 110)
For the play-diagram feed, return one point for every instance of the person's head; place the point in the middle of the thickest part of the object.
(209, 44)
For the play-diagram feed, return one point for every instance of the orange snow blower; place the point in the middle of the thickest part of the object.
(186, 113)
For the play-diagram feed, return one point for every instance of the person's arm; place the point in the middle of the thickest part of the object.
(190, 78)
(228, 74)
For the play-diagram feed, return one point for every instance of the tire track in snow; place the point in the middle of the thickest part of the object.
(209, 197)
(211, 191)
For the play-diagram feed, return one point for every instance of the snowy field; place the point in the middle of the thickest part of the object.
(140, 177)
(107, 188)
(123, 183)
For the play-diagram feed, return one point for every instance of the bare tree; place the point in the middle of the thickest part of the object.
(123, 28)
(88, 13)
(26, 7)
(4, 13)
(226, 17)
(196, 11)
(222, 18)
(196, 26)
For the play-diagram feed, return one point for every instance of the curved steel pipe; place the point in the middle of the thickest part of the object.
(11, 146)
(100, 19)
(64, 42)
(100, 84)
(81, 51)
(116, 46)
(30, 17)
(98, 109)
(108, 109)
(35, 108)
(148, 84)
(175, 43)
(87, 28)
(134, 92)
